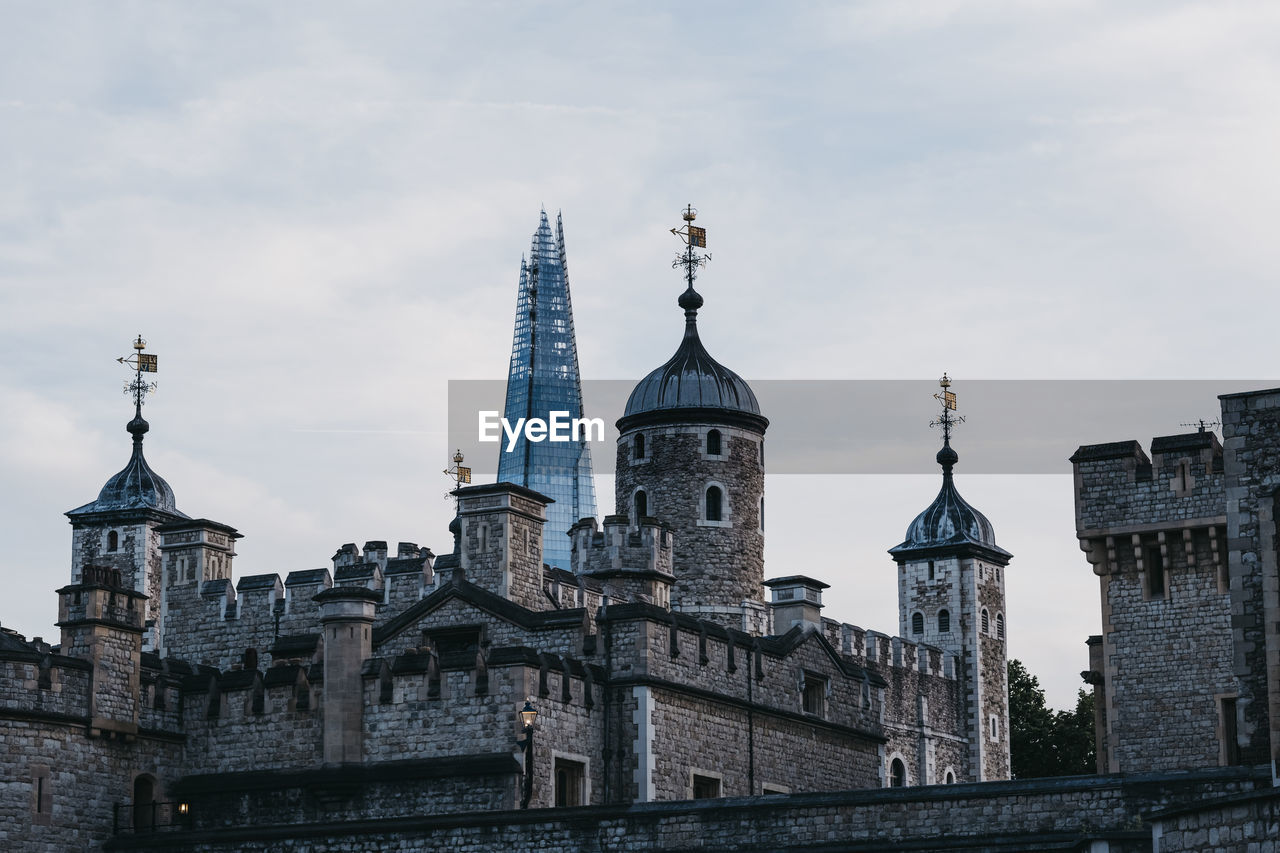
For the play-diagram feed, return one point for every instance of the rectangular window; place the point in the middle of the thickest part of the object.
(1155, 573)
(814, 698)
(571, 779)
(705, 787)
(41, 796)
(1230, 746)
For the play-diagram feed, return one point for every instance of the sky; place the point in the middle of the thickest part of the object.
(315, 213)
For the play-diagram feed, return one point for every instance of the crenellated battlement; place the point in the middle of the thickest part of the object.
(631, 562)
(1120, 490)
(222, 620)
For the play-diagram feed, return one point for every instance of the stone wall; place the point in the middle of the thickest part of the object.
(81, 779)
(1249, 822)
(716, 564)
(1250, 426)
(1024, 815)
(1156, 534)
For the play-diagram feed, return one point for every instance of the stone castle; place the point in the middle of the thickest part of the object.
(377, 704)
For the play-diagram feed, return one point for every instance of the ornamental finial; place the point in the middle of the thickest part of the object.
(946, 457)
(140, 362)
(693, 237)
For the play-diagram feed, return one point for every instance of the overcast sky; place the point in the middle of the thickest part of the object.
(315, 213)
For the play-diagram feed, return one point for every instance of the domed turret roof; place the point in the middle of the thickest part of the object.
(950, 522)
(136, 487)
(692, 384)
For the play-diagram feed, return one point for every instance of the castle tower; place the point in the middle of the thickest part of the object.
(951, 594)
(691, 453)
(544, 378)
(118, 531)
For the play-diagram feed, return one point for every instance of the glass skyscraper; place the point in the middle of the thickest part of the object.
(544, 378)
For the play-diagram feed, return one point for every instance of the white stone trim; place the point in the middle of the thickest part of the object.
(726, 507)
(643, 718)
(888, 769)
(710, 774)
(577, 758)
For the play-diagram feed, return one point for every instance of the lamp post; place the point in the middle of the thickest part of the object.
(527, 716)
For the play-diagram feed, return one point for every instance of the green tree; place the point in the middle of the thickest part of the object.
(1043, 742)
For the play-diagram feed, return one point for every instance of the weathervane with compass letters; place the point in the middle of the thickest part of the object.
(693, 237)
(948, 400)
(141, 362)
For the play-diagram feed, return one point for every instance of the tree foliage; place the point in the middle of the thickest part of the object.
(1043, 742)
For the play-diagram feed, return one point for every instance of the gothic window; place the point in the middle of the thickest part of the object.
(986, 621)
(713, 442)
(1000, 626)
(944, 621)
(642, 505)
(637, 446)
(570, 783)
(917, 623)
(897, 774)
(113, 541)
(715, 498)
(950, 778)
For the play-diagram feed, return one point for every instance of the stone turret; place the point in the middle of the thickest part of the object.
(102, 622)
(119, 530)
(501, 540)
(691, 453)
(951, 594)
(632, 562)
(346, 620)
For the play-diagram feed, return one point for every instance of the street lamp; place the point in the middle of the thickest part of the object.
(528, 714)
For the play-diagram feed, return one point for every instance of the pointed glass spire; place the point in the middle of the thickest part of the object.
(544, 378)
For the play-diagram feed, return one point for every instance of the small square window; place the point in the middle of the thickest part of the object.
(705, 787)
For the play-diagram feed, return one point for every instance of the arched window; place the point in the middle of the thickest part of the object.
(713, 442)
(944, 621)
(762, 514)
(986, 621)
(897, 774)
(917, 623)
(637, 446)
(950, 778)
(714, 500)
(642, 505)
(1000, 625)
(144, 797)
(113, 541)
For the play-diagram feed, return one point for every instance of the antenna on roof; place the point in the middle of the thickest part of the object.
(1203, 425)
